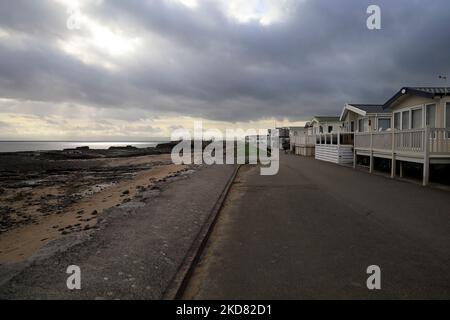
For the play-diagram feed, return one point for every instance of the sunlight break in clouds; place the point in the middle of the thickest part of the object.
(101, 46)
(188, 3)
(265, 12)
(93, 42)
(81, 122)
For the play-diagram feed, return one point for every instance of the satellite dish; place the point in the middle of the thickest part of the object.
(403, 91)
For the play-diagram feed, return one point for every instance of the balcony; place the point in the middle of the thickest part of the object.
(415, 143)
(335, 147)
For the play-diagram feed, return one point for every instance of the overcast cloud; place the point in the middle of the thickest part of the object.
(137, 68)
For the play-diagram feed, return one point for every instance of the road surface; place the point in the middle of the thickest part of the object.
(311, 231)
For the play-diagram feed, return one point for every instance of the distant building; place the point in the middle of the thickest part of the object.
(366, 118)
(303, 139)
(411, 127)
(255, 139)
(296, 138)
(320, 124)
(283, 136)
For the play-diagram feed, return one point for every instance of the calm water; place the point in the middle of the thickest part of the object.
(13, 146)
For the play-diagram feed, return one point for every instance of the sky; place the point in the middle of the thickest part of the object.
(114, 69)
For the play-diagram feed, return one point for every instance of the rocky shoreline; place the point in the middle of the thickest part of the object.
(45, 195)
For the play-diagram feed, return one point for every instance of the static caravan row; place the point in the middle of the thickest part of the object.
(303, 139)
(412, 126)
(418, 131)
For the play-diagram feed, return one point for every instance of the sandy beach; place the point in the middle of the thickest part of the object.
(43, 199)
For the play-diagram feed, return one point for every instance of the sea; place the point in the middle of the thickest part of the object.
(15, 146)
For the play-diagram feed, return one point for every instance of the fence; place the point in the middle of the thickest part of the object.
(406, 141)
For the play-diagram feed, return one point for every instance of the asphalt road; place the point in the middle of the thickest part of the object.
(311, 231)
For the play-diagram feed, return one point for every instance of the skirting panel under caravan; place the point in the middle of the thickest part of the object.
(305, 151)
(340, 154)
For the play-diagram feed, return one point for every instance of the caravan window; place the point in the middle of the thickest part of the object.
(384, 124)
(405, 120)
(431, 115)
(416, 118)
(363, 125)
(397, 121)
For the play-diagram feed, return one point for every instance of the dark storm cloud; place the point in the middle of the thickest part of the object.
(33, 17)
(319, 58)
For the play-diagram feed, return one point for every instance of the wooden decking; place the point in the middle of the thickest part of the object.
(426, 146)
(409, 144)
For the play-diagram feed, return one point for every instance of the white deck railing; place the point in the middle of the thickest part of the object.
(406, 141)
(335, 139)
(439, 141)
(335, 147)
